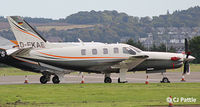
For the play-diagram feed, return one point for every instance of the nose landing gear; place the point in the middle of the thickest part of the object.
(164, 79)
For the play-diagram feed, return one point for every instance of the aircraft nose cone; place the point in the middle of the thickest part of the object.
(191, 58)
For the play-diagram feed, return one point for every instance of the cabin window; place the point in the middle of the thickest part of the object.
(116, 50)
(127, 50)
(105, 51)
(83, 51)
(94, 51)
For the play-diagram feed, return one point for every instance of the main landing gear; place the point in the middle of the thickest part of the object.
(46, 77)
(164, 79)
(107, 78)
(121, 81)
(43, 79)
(3, 54)
(56, 79)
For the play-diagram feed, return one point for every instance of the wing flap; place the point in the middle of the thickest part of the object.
(54, 69)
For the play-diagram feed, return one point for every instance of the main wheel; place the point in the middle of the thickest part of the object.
(118, 80)
(3, 53)
(55, 79)
(43, 79)
(107, 80)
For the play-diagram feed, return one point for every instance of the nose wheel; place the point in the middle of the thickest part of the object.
(165, 80)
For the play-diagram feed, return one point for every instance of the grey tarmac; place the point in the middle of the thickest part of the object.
(137, 77)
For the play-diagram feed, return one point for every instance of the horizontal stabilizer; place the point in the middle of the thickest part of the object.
(6, 44)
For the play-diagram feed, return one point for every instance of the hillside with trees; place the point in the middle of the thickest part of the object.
(112, 26)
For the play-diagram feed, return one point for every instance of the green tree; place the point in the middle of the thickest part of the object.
(136, 44)
(162, 47)
(171, 49)
(154, 47)
(194, 46)
(130, 42)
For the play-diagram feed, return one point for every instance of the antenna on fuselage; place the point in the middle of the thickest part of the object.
(80, 41)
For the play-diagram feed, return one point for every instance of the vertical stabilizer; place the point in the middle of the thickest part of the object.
(25, 35)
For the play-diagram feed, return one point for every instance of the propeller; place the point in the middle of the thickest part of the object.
(186, 68)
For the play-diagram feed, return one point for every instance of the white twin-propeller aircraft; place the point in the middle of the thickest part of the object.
(33, 53)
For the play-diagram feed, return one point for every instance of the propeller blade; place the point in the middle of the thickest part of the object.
(186, 46)
(186, 67)
(188, 71)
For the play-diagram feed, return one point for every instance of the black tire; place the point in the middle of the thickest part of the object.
(43, 80)
(118, 80)
(165, 80)
(55, 79)
(121, 82)
(107, 80)
(3, 54)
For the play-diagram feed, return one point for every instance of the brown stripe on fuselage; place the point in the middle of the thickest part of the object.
(80, 57)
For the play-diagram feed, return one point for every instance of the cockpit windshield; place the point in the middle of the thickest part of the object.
(128, 50)
(136, 49)
(131, 50)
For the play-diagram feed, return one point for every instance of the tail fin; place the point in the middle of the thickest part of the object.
(25, 34)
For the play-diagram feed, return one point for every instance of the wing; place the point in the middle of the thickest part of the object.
(131, 62)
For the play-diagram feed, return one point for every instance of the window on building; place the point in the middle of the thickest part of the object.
(83, 51)
(94, 51)
(116, 50)
(105, 51)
